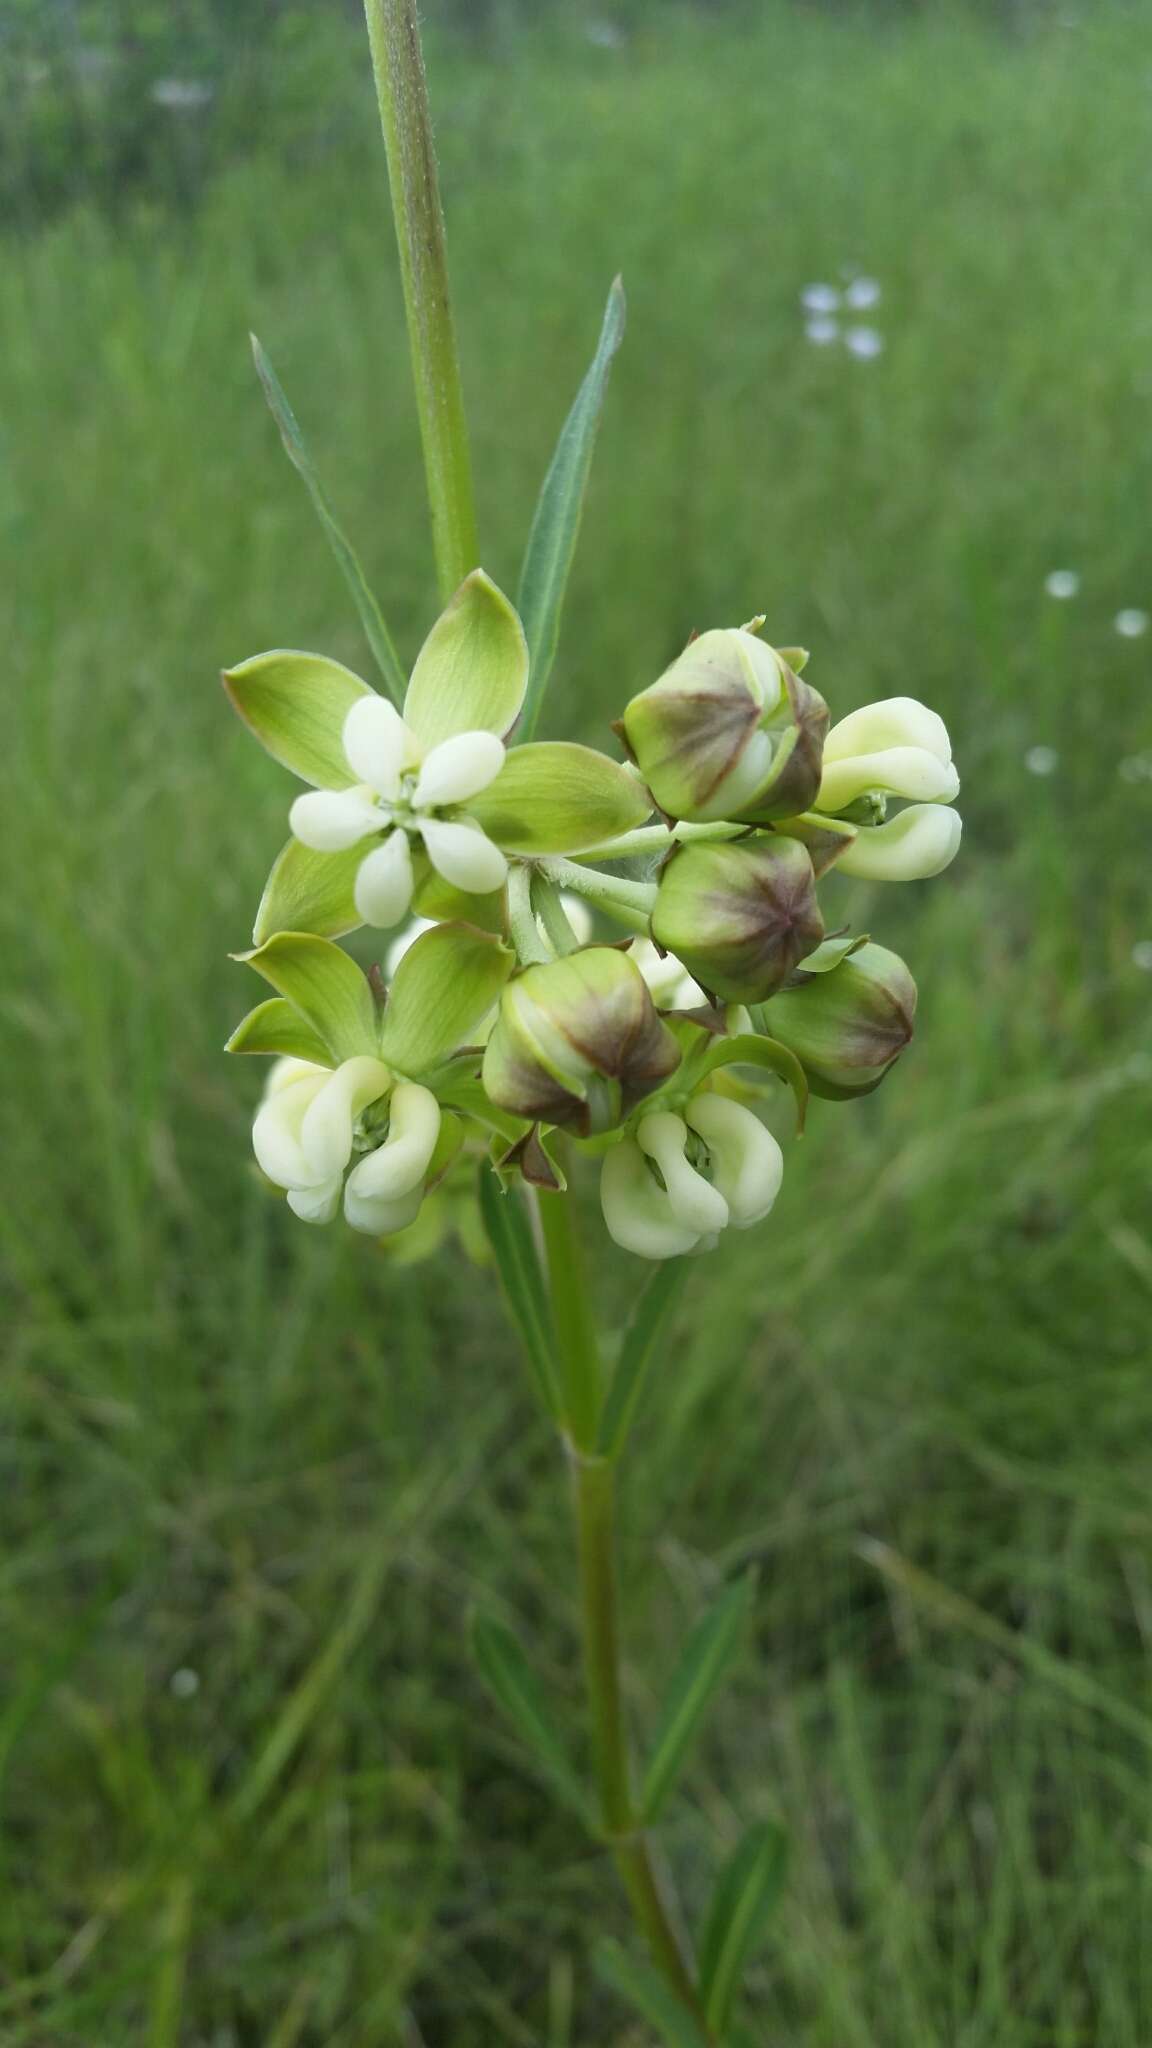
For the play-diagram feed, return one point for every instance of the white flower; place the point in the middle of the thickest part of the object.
(896, 747)
(403, 794)
(861, 293)
(822, 329)
(820, 298)
(1062, 583)
(1131, 624)
(311, 1122)
(731, 1179)
(1142, 955)
(916, 843)
(181, 95)
(1041, 760)
(864, 342)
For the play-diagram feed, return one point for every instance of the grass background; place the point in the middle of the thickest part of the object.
(920, 1398)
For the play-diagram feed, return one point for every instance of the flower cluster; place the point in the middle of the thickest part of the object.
(515, 1026)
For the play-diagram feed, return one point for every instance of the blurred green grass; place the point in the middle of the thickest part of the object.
(921, 1398)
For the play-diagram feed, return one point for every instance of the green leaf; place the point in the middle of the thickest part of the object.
(310, 892)
(512, 1681)
(641, 1340)
(472, 671)
(555, 797)
(433, 897)
(371, 618)
(704, 1660)
(327, 988)
(443, 989)
(518, 1265)
(649, 1995)
(747, 1049)
(276, 1027)
(746, 1891)
(556, 524)
(296, 705)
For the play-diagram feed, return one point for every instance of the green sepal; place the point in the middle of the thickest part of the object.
(310, 892)
(827, 956)
(371, 618)
(512, 1682)
(296, 705)
(432, 896)
(325, 985)
(705, 1659)
(556, 797)
(649, 1995)
(746, 1892)
(796, 657)
(472, 671)
(556, 522)
(442, 990)
(276, 1027)
(750, 1050)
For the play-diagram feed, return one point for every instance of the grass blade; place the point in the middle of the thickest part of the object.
(746, 1891)
(648, 1995)
(705, 1659)
(371, 617)
(510, 1237)
(636, 1354)
(510, 1678)
(556, 524)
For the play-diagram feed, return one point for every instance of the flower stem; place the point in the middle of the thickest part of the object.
(659, 838)
(629, 902)
(531, 948)
(402, 90)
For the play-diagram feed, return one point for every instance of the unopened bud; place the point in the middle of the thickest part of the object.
(728, 731)
(740, 916)
(849, 1025)
(578, 1042)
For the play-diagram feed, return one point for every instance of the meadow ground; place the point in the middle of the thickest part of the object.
(255, 1478)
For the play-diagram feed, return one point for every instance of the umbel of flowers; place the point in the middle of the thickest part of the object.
(505, 1032)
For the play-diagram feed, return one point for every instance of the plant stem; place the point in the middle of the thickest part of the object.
(580, 1369)
(659, 838)
(629, 902)
(402, 90)
(531, 948)
(595, 1490)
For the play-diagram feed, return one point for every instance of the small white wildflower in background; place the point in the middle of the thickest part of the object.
(1130, 624)
(606, 35)
(822, 330)
(864, 342)
(820, 298)
(862, 293)
(1142, 955)
(182, 95)
(1041, 760)
(185, 1683)
(1062, 583)
(1136, 768)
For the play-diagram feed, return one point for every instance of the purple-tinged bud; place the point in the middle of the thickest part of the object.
(578, 1042)
(848, 1026)
(740, 915)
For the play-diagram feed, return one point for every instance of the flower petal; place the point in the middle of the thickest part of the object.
(317, 1205)
(383, 887)
(329, 1121)
(891, 722)
(329, 821)
(747, 1163)
(695, 1202)
(901, 771)
(918, 842)
(276, 1130)
(377, 744)
(459, 768)
(376, 1189)
(464, 855)
(376, 1215)
(637, 1212)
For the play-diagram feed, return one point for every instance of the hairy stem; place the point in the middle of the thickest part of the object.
(629, 902)
(402, 90)
(659, 839)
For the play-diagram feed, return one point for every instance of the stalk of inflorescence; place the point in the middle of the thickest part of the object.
(401, 85)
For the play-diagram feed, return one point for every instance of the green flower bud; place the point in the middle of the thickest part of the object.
(578, 1042)
(729, 731)
(740, 915)
(848, 1026)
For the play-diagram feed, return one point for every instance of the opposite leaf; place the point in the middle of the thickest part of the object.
(648, 1995)
(509, 1676)
(556, 797)
(443, 988)
(706, 1656)
(330, 992)
(472, 671)
(296, 705)
(746, 1892)
(275, 1027)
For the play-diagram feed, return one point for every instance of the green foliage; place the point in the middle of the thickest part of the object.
(507, 1672)
(703, 1664)
(746, 1893)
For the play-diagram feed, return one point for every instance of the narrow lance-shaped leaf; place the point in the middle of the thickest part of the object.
(648, 1995)
(512, 1681)
(443, 988)
(371, 618)
(639, 1349)
(327, 988)
(556, 525)
(518, 1265)
(746, 1892)
(276, 1027)
(703, 1663)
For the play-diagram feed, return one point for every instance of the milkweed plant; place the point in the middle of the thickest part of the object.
(593, 964)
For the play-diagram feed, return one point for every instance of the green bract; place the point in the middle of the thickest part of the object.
(578, 1042)
(740, 915)
(729, 731)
